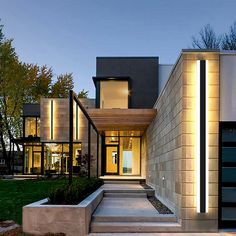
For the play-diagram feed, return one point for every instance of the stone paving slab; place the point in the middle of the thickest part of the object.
(122, 187)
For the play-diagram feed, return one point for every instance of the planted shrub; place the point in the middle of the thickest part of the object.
(74, 193)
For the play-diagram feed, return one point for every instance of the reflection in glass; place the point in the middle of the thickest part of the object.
(229, 135)
(228, 213)
(228, 194)
(228, 174)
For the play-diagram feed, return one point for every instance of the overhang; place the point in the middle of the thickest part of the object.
(122, 119)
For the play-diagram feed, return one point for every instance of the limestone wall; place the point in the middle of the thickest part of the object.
(171, 149)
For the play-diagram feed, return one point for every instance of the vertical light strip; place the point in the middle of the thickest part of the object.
(76, 123)
(202, 135)
(51, 116)
(197, 86)
(207, 151)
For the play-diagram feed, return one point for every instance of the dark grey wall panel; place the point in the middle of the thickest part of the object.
(31, 110)
(143, 72)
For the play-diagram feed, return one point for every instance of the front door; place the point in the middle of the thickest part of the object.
(112, 159)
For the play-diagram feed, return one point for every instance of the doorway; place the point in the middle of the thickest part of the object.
(112, 159)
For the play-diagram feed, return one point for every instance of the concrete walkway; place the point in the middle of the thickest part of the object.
(126, 208)
(123, 205)
(165, 234)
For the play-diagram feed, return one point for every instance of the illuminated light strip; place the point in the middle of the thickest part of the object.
(197, 85)
(202, 135)
(206, 134)
(51, 117)
(76, 123)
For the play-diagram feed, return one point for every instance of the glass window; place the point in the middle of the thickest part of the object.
(228, 194)
(228, 154)
(56, 158)
(228, 174)
(130, 156)
(114, 94)
(229, 135)
(30, 127)
(228, 213)
(38, 127)
(32, 160)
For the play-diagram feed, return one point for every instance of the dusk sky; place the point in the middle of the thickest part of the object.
(68, 35)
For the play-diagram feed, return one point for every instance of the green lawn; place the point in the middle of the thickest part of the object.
(14, 194)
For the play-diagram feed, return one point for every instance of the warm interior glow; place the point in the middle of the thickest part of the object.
(114, 94)
(197, 121)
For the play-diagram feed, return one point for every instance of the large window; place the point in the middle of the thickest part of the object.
(32, 127)
(32, 159)
(114, 94)
(56, 158)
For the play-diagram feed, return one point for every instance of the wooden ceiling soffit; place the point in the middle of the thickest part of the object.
(122, 119)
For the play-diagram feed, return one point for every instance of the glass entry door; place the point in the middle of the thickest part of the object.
(112, 159)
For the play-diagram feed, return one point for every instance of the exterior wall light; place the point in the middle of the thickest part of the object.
(77, 122)
(51, 119)
(202, 135)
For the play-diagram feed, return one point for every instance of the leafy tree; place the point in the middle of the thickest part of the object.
(62, 86)
(207, 39)
(83, 94)
(229, 40)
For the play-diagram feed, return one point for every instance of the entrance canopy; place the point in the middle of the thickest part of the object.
(122, 119)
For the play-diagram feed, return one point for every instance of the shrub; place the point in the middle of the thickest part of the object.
(74, 193)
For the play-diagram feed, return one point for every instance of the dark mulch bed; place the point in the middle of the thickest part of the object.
(161, 208)
(6, 223)
(145, 186)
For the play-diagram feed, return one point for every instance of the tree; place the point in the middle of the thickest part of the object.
(83, 94)
(63, 85)
(207, 39)
(229, 40)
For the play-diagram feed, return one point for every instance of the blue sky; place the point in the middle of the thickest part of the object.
(68, 35)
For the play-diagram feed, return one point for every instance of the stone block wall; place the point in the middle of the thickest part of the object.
(61, 125)
(171, 149)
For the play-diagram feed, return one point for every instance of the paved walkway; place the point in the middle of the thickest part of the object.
(164, 234)
(124, 206)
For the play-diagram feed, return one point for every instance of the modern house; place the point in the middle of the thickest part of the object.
(174, 126)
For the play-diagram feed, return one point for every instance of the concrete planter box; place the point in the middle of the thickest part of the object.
(69, 219)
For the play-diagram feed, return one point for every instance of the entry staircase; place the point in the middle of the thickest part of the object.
(127, 210)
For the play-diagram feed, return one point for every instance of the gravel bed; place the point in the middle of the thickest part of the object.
(161, 208)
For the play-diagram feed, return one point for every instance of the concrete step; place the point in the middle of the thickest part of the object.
(126, 195)
(124, 218)
(149, 192)
(121, 182)
(134, 227)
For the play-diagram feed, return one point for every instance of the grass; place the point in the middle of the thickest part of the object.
(14, 194)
